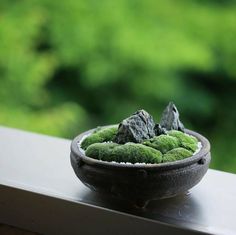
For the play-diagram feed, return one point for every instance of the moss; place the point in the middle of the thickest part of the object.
(175, 146)
(101, 151)
(186, 141)
(100, 135)
(163, 143)
(129, 152)
(176, 154)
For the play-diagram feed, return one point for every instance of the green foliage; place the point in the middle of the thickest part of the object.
(101, 151)
(176, 154)
(185, 141)
(163, 143)
(175, 146)
(129, 152)
(99, 136)
(67, 66)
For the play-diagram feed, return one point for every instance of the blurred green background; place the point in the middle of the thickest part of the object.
(66, 66)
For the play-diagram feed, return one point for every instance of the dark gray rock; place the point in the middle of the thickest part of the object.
(170, 118)
(159, 130)
(136, 128)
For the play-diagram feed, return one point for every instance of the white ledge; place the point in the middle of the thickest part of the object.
(40, 192)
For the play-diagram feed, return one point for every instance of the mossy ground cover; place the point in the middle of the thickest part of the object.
(129, 152)
(100, 135)
(173, 146)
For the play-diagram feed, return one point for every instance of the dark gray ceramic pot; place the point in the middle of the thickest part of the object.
(141, 183)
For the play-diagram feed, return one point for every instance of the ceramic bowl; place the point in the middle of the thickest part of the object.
(143, 182)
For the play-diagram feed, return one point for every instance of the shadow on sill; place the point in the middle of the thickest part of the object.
(9, 230)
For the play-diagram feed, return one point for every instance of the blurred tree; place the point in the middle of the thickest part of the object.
(70, 65)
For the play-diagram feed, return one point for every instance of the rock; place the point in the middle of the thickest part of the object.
(170, 118)
(136, 128)
(159, 130)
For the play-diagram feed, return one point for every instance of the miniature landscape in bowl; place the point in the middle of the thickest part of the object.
(140, 160)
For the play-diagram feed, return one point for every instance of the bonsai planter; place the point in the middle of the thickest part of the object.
(140, 183)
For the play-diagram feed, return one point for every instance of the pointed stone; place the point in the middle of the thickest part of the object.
(136, 128)
(170, 118)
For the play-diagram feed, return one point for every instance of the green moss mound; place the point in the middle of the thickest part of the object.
(101, 151)
(185, 141)
(100, 135)
(176, 154)
(129, 152)
(163, 148)
(163, 143)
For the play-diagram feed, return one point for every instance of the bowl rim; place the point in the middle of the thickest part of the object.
(78, 154)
